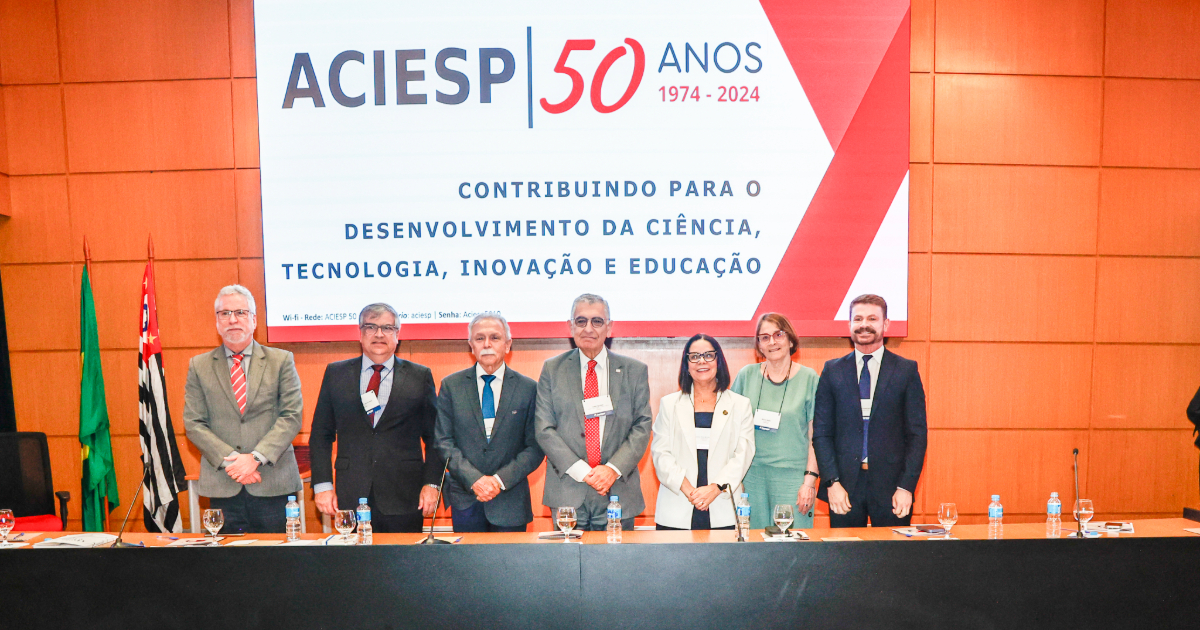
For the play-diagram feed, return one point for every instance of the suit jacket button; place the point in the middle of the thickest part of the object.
(583, 435)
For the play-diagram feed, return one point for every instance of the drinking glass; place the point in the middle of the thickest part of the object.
(784, 516)
(214, 520)
(566, 521)
(6, 524)
(344, 522)
(1083, 512)
(948, 516)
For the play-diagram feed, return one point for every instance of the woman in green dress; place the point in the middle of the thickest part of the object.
(781, 391)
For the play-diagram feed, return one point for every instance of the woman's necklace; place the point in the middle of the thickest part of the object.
(767, 373)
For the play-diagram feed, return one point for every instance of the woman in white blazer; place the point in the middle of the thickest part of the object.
(703, 437)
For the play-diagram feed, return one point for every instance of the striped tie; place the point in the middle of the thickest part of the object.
(237, 378)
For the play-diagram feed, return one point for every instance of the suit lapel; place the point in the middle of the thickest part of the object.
(850, 373)
(720, 417)
(472, 389)
(685, 414)
(615, 384)
(886, 365)
(257, 368)
(399, 367)
(221, 373)
(504, 405)
(575, 384)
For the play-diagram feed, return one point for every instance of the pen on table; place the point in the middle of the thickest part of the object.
(167, 537)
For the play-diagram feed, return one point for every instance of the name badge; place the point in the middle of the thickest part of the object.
(766, 420)
(866, 407)
(598, 406)
(371, 402)
(703, 436)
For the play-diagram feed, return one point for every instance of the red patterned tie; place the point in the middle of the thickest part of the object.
(373, 386)
(237, 378)
(591, 426)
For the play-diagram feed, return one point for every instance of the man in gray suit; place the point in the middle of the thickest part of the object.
(593, 421)
(485, 428)
(242, 408)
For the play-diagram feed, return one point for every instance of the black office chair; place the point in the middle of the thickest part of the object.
(26, 486)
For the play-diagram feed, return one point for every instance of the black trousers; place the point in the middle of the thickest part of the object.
(864, 506)
(410, 522)
(473, 519)
(247, 514)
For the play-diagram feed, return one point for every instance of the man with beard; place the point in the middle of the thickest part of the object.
(485, 428)
(869, 426)
(242, 408)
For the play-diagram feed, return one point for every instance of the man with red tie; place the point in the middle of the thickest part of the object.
(593, 421)
(242, 408)
(379, 409)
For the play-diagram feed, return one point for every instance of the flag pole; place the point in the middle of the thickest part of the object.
(87, 262)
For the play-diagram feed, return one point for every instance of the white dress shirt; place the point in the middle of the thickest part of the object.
(497, 385)
(580, 469)
(873, 370)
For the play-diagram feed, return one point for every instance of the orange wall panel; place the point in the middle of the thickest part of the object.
(920, 207)
(241, 28)
(1160, 460)
(248, 196)
(1144, 386)
(1151, 300)
(5, 195)
(995, 119)
(34, 129)
(1020, 36)
(921, 16)
(1151, 123)
(132, 40)
(920, 117)
(168, 125)
(39, 205)
(245, 123)
(117, 288)
(190, 214)
(1009, 385)
(28, 42)
(919, 287)
(1014, 209)
(1149, 212)
(36, 410)
(1152, 39)
(186, 290)
(1012, 298)
(41, 308)
(1022, 466)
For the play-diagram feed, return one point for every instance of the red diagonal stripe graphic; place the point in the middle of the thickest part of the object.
(833, 238)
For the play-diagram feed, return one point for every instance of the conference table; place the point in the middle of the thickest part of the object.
(668, 579)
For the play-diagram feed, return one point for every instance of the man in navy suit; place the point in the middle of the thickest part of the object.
(869, 426)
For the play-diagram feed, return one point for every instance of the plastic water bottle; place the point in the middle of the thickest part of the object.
(614, 520)
(743, 513)
(995, 518)
(363, 515)
(1053, 516)
(291, 513)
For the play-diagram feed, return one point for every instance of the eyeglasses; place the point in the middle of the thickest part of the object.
(241, 313)
(596, 322)
(371, 329)
(695, 357)
(778, 335)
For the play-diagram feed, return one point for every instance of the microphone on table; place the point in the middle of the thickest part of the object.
(737, 523)
(1075, 454)
(117, 543)
(430, 540)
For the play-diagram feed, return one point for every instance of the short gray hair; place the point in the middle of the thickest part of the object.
(375, 310)
(489, 315)
(591, 298)
(235, 289)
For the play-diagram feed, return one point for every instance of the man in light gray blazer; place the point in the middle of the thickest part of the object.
(242, 409)
(593, 454)
(485, 428)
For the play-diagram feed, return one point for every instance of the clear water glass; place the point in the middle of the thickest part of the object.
(344, 522)
(784, 515)
(214, 520)
(7, 522)
(1083, 512)
(566, 521)
(947, 516)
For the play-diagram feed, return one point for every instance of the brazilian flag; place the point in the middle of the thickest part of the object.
(99, 476)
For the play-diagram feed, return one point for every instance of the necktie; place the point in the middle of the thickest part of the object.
(489, 401)
(864, 393)
(591, 426)
(237, 379)
(373, 386)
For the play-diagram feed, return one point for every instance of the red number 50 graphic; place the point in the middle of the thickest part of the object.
(639, 66)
